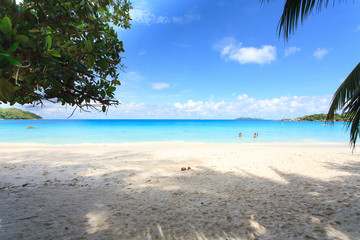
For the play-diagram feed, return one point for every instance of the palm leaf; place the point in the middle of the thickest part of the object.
(347, 99)
(295, 9)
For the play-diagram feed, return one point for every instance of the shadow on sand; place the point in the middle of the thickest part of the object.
(97, 202)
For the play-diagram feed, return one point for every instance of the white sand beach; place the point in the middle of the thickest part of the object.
(137, 191)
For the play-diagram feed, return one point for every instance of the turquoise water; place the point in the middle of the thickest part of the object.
(56, 132)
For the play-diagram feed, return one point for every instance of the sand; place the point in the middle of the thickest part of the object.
(137, 191)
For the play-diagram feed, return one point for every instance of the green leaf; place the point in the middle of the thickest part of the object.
(102, 93)
(5, 54)
(34, 30)
(89, 46)
(67, 44)
(89, 62)
(6, 26)
(6, 90)
(22, 39)
(14, 61)
(111, 89)
(48, 41)
(14, 47)
(103, 64)
(116, 82)
(54, 53)
(346, 98)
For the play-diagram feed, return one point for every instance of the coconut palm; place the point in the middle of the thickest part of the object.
(347, 97)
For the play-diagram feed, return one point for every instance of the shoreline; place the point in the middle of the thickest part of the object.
(287, 143)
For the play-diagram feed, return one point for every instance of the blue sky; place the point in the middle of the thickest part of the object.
(223, 59)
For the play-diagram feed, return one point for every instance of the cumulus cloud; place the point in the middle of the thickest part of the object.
(242, 106)
(320, 53)
(245, 106)
(160, 85)
(291, 50)
(242, 96)
(230, 49)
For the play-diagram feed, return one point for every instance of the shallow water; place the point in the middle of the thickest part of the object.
(56, 132)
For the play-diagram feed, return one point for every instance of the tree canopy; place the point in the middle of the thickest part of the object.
(63, 51)
(322, 117)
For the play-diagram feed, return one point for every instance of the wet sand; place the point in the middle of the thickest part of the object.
(138, 191)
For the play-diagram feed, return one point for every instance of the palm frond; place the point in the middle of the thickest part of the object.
(295, 10)
(347, 99)
(352, 109)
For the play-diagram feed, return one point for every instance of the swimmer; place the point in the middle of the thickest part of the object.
(255, 135)
(240, 135)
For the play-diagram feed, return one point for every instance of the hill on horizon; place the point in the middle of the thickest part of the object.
(15, 113)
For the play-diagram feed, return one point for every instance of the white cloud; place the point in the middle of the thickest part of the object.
(291, 50)
(245, 106)
(231, 50)
(275, 108)
(191, 16)
(160, 85)
(131, 78)
(242, 106)
(320, 53)
(241, 97)
(143, 15)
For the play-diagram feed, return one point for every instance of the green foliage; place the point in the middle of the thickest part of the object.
(62, 51)
(347, 98)
(14, 113)
(295, 10)
(314, 117)
(323, 117)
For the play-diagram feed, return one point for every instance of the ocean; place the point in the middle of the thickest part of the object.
(59, 132)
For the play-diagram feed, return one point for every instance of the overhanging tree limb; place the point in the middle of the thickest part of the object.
(64, 44)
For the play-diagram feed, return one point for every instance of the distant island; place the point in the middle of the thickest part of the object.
(317, 117)
(14, 113)
(248, 118)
